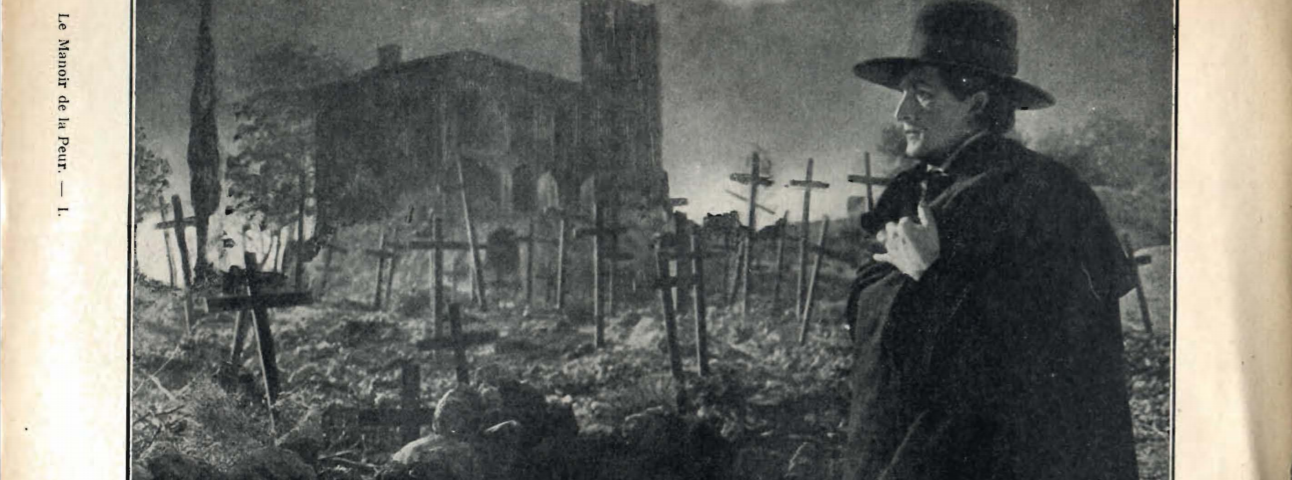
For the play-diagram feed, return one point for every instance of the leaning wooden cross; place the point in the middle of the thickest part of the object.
(258, 304)
(179, 224)
(807, 184)
(754, 180)
(870, 181)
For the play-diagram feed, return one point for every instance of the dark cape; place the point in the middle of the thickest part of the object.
(1005, 360)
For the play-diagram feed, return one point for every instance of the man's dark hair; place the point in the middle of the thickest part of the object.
(998, 116)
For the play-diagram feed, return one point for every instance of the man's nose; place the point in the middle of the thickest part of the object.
(904, 108)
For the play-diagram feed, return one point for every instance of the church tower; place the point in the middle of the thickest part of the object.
(619, 48)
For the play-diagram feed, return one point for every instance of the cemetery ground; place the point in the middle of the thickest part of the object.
(542, 402)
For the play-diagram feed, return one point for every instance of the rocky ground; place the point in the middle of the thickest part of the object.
(542, 403)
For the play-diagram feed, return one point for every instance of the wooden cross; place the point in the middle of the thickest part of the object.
(665, 284)
(437, 245)
(258, 303)
(409, 417)
(179, 225)
(753, 179)
(807, 184)
(696, 256)
(170, 263)
(597, 231)
(1135, 261)
(870, 182)
(816, 271)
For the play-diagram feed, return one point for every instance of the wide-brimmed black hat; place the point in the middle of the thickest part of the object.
(975, 36)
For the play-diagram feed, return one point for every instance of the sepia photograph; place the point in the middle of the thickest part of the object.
(652, 239)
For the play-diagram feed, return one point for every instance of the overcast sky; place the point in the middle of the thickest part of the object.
(736, 73)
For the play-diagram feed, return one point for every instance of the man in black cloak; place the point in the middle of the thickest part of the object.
(988, 338)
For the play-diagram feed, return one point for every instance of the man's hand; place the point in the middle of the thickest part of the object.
(911, 247)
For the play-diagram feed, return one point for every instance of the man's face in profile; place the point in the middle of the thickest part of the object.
(933, 120)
